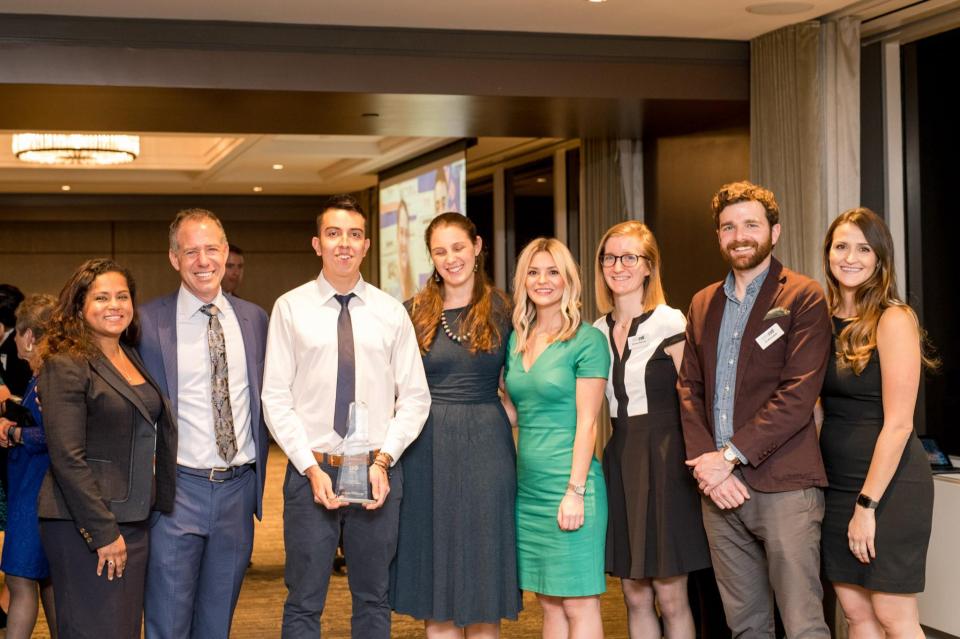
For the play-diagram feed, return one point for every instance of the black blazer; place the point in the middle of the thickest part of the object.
(101, 443)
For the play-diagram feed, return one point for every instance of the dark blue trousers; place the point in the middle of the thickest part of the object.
(311, 534)
(199, 554)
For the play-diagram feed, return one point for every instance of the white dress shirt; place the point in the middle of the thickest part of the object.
(300, 374)
(197, 442)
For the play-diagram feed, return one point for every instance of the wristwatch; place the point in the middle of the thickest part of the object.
(730, 456)
(866, 502)
(578, 489)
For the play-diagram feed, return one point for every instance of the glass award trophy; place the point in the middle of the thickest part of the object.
(353, 480)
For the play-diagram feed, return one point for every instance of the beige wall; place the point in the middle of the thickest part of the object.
(40, 246)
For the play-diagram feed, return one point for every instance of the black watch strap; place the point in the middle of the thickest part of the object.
(867, 502)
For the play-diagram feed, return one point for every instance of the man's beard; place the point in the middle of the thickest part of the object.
(760, 253)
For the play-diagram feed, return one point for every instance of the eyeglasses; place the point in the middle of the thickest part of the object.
(629, 260)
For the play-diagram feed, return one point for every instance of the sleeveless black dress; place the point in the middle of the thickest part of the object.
(655, 526)
(853, 417)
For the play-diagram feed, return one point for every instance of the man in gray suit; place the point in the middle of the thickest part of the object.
(206, 352)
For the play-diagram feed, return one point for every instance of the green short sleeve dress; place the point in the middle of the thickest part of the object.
(552, 561)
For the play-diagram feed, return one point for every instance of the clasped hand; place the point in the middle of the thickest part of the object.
(323, 493)
(715, 479)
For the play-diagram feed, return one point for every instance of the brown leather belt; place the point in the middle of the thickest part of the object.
(337, 460)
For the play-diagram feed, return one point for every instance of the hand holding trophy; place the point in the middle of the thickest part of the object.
(353, 479)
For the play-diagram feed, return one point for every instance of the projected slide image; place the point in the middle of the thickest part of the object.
(407, 205)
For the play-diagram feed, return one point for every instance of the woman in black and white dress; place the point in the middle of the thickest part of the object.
(655, 532)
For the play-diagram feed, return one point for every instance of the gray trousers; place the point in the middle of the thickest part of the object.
(769, 546)
(311, 534)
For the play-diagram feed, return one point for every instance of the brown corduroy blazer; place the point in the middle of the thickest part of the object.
(776, 387)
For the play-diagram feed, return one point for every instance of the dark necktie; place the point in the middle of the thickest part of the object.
(220, 386)
(346, 367)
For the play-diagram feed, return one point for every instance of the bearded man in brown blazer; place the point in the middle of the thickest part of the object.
(755, 357)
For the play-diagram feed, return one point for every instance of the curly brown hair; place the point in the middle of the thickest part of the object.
(482, 321)
(744, 191)
(67, 331)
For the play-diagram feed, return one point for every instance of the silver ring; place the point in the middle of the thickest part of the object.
(110, 561)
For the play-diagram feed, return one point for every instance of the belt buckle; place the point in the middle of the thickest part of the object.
(215, 470)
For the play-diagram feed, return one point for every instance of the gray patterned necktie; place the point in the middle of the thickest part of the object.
(220, 386)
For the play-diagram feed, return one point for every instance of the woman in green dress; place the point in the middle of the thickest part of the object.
(556, 372)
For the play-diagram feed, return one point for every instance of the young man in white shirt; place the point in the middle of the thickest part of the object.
(331, 341)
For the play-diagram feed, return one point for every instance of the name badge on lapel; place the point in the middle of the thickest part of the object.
(637, 341)
(769, 336)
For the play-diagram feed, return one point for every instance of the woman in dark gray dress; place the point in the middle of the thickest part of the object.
(879, 504)
(456, 557)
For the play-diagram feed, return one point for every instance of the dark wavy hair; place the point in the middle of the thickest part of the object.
(482, 320)
(67, 331)
(858, 339)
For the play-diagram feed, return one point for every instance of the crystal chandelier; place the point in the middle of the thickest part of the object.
(75, 148)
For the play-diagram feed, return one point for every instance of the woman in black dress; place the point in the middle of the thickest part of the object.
(655, 533)
(879, 504)
(456, 566)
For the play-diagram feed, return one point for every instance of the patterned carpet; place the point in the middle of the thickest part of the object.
(261, 600)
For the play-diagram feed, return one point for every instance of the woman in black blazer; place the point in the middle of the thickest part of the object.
(112, 441)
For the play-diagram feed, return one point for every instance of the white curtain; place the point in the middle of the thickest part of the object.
(805, 130)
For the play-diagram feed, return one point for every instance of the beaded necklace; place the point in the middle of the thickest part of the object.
(446, 329)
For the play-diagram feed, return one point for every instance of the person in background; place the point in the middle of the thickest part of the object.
(756, 352)
(14, 372)
(879, 504)
(233, 270)
(112, 440)
(456, 556)
(655, 531)
(21, 430)
(333, 342)
(556, 370)
(206, 351)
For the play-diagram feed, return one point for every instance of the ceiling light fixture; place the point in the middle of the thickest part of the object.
(76, 149)
(779, 8)
(257, 189)
(277, 167)
(65, 187)
(596, 1)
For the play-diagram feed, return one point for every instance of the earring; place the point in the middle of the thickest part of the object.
(476, 265)
(29, 348)
(436, 276)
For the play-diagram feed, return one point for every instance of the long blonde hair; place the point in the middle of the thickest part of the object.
(652, 288)
(525, 312)
(858, 338)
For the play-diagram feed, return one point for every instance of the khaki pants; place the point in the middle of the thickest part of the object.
(769, 547)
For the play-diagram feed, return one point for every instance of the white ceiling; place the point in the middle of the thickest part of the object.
(235, 164)
(714, 19)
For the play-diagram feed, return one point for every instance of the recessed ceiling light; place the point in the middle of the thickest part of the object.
(277, 167)
(779, 8)
(541, 180)
(596, 1)
(257, 189)
(65, 187)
